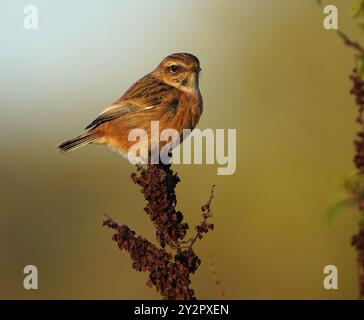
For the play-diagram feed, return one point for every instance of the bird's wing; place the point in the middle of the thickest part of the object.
(147, 93)
(115, 112)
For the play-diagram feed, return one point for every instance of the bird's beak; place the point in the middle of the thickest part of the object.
(197, 69)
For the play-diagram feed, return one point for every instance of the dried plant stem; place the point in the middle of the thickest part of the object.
(358, 239)
(216, 277)
(169, 270)
(358, 243)
(203, 227)
(350, 43)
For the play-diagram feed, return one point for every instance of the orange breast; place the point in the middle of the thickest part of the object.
(184, 115)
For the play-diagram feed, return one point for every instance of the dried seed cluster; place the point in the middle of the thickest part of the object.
(169, 273)
(158, 184)
(358, 239)
(358, 91)
(358, 242)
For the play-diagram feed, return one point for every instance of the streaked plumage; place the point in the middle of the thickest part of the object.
(169, 94)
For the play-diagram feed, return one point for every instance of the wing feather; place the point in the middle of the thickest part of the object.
(148, 93)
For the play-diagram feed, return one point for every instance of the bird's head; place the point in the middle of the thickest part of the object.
(180, 70)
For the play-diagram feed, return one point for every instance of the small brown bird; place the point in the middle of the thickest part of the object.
(170, 94)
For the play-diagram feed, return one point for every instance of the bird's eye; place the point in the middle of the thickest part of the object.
(173, 68)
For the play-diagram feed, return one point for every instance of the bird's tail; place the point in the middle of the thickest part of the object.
(78, 142)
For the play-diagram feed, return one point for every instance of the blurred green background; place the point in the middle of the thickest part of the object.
(270, 70)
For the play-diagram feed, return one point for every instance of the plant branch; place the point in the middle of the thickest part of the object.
(168, 272)
(216, 277)
(350, 43)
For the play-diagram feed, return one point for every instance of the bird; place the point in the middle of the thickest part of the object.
(170, 94)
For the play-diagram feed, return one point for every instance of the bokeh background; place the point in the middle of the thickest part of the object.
(270, 70)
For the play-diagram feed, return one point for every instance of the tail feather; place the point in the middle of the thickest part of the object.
(78, 142)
